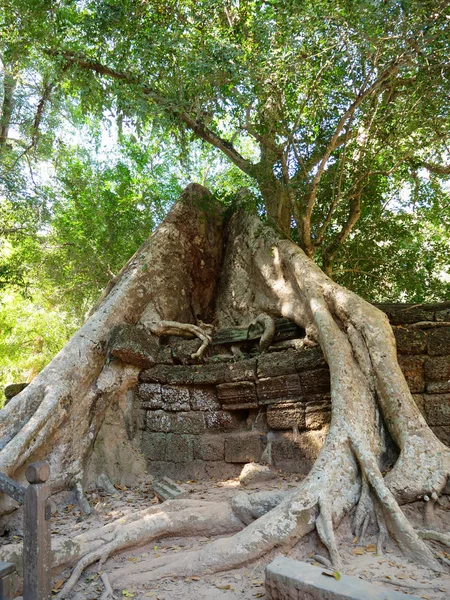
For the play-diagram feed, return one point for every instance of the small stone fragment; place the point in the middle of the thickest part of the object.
(255, 473)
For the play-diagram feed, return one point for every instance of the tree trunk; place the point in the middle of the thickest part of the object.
(173, 277)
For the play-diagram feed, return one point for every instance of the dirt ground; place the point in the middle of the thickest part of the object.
(359, 557)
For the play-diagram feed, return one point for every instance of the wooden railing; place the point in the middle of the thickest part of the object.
(37, 578)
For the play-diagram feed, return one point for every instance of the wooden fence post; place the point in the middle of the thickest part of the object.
(37, 579)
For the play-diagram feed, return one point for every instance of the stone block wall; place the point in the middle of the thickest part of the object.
(208, 420)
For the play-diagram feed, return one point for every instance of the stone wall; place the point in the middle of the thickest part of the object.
(208, 420)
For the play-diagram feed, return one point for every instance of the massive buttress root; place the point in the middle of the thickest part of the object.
(261, 274)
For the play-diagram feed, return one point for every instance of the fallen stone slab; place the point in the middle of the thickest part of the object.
(166, 489)
(288, 579)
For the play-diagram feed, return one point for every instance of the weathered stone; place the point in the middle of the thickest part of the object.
(413, 370)
(182, 350)
(278, 389)
(443, 434)
(167, 489)
(289, 362)
(13, 389)
(182, 422)
(318, 413)
(284, 329)
(234, 396)
(438, 387)
(405, 314)
(286, 415)
(158, 421)
(204, 398)
(136, 347)
(439, 341)
(315, 382)
(175, 399)
(223, 420)
(207, 374)
(209, 447)
(180, 448)
(437, 368)
(410, 341)
(243, 447)
(288, 579)
(442, 315)
(255, 473)
(153, 446)
(242, 370)
(437, 409)
(150, 394)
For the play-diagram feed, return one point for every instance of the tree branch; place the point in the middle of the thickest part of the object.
(433, 168)
(195, 125)
(363, 94)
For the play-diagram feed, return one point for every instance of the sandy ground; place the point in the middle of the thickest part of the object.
(359, 557)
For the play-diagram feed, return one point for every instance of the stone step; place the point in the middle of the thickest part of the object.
(288, 579)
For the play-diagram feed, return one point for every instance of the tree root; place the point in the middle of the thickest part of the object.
(176, 517)
(108, 593)
(407, 584)
(436, 536)
(184, 330)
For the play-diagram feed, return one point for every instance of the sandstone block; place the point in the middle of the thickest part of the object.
(150, 395)
(206, 374)
(278, 389)
(191, 422)
(289, 362)
(318, 413)
(13, 389)
(209, 447)
(203, 398)
(238, 395)
(437, 368)
(175, 399)
(223, 420)
(158, 421)
(182, 422)
(437, 409)
(315, 382)
(153, 445)
(242, 370)
(442, 433)
(136, 347)
(442, 315)
(180, 448)
(412, 341)
(288, 579)
(414, 372)
(438, 387)
(286, 415)
(439, 341)
(167, 489)
(243, 447)
(404, 314)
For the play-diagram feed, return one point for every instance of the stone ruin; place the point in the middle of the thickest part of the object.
(192, 419)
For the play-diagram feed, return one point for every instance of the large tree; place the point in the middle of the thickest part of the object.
(325, 112)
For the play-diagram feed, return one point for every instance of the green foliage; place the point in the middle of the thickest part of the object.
(31, 333)
(109, 108)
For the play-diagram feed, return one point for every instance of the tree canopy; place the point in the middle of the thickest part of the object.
(333, 115)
